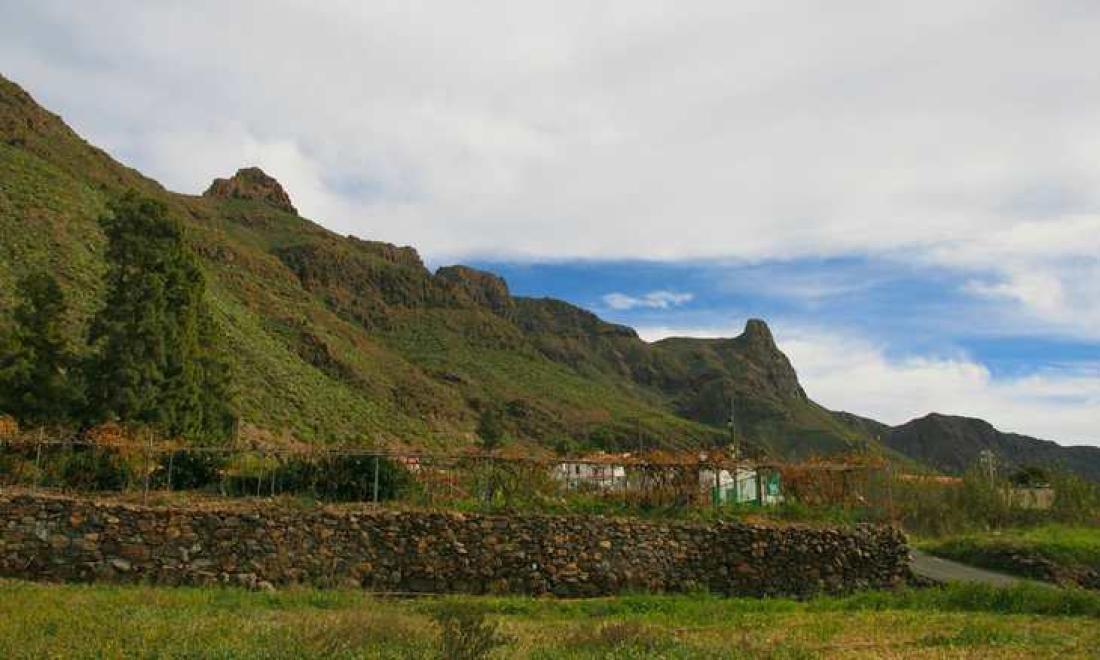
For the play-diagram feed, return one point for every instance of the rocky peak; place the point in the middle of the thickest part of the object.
(758, 346)
(484, 288)
(758, 335)
(251, 183)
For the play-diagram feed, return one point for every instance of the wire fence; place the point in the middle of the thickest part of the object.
(682, 480)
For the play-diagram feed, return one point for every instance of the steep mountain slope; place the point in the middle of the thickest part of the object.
(749, 373)
(953, 444)
(340, 339)
(333, 338)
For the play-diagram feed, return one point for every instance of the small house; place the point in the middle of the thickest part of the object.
(591, 475)
(741, 485)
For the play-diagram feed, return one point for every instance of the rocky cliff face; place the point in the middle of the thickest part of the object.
(757, 346)
(749, 372)
(254, 184)
(482, 288)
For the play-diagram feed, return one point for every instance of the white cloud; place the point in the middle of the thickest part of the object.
(1049, 269)
(1040, 291)
(651, 300)
(960, 134)
(844, 372)
(624, 129)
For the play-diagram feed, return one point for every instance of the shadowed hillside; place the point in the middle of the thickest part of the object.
(953, 444)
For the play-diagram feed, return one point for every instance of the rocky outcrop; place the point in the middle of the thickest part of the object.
(483, 288)
(73, 539)
(758, 347)
(254, 184)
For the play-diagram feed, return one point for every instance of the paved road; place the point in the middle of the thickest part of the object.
(944, 570)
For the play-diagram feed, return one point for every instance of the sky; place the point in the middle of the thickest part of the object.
(909, 193)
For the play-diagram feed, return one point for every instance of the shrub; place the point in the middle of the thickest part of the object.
(91, 469)
(344, 478)
(465, 634)
(9, 428)
(189, 470)
(297, 475)
(490, 429)
(1075, 499)
(623, 637)
(350, 478)
(15, 469)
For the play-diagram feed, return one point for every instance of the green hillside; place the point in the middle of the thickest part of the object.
(337, 339)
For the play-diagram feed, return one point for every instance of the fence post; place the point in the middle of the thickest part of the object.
(717, 487)
(759, 486)
(148, 449)
(38, 461)
(171, 465)
(377, 460)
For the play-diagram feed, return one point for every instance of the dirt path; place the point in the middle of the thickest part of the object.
(945, 570)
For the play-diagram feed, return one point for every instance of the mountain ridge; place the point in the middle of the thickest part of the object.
(953, 443)
(339, 338)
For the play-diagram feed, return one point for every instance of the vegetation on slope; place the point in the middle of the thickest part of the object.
(1062, 550)
(340, 339)
(1067, 544)
(953, 444)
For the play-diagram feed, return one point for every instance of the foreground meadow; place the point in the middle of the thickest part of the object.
(39, 620)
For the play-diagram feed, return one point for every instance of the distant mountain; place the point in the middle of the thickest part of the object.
(953, 444)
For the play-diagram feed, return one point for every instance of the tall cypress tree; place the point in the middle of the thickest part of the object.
(157, 362)
(39, 381)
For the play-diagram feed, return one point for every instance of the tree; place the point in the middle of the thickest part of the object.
(490, 428)
(39, 381)
(156, 361)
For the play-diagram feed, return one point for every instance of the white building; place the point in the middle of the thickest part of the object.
(591, 476)
(740, 486)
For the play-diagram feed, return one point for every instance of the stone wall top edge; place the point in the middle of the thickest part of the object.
(269, 507)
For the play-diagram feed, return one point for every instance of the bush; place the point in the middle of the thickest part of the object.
(91, 469)
(9, 428)
(490, 429)
(1075, 499)
(15, 469)
(465, 634)
(933, 508)
(344, 478)
(189, 470)
(350, 478)
(623, 639)
(509, 485)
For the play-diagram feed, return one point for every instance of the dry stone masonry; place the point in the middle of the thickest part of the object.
(264, 545)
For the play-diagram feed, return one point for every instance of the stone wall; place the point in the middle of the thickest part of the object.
(265, 545)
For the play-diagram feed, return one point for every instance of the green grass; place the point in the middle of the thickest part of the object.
(1066, 545)
(113, 621)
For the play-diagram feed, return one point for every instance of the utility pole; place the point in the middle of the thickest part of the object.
(735, 447)
(989, 461)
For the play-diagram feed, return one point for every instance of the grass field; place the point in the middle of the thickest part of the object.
(1066, 545)
(108, 621)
